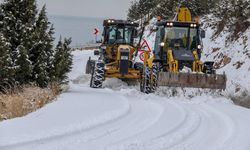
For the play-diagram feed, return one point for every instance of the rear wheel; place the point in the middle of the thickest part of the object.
(145, 81)
(97, 76)
(89, 66)
(154, 77)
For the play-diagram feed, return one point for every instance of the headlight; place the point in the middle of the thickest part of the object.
(162, 44)
(170, 24)
(193, 25)
(199, 46)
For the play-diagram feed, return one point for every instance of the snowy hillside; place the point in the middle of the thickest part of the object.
(233, 58)
(120, 117)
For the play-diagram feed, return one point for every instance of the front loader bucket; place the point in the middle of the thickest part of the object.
(193, 80)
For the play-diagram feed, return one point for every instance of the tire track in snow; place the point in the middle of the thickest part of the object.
(165, 140)
(143, 115)
(157, 129)
(138, 117)
(212, 121)
(198, 120)
(74, 129)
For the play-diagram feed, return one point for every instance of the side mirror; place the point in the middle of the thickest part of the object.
(203, 34)
(96, 52)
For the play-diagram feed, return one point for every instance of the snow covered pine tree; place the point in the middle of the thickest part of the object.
(62, 61)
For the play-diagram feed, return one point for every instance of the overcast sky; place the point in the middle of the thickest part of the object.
(87, 8)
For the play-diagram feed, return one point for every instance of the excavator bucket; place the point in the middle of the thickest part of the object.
(193, 80)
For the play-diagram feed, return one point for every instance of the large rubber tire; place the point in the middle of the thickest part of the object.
(97, 76)
(89, 66)
(154, 77)
(145, 81)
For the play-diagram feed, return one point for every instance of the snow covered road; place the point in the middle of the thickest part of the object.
(122, 118)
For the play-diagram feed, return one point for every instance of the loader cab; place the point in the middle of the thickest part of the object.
(119, 32)
(181, 37)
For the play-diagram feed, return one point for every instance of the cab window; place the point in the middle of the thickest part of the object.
(122, 34)
(111, 35)
(128, 35)
(176, 37)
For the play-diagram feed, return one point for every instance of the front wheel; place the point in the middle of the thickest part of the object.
(154, 77)
(145, 80)
(97, 76)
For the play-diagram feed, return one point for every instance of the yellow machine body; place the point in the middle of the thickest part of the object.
(184, 15)
(112, 69)
(116, 54)
(169, 56)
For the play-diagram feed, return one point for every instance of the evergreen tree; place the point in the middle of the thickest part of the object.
(68, 58)
(7, 72)
(40, 69)
(62, 61)
(17, 28)
(28, 55)
(133, 12)
(1, 20)
(146, 6)
(140, 9)
(19, 17)
(42, 52)
(50, 51)
(24, 66)
(166, 9)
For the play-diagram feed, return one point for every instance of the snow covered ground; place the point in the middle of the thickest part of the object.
(119, 117)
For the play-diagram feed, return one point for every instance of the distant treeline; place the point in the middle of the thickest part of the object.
(27, 54)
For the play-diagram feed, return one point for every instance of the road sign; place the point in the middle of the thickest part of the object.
(96, 31)
(141, 55)
(145, 46)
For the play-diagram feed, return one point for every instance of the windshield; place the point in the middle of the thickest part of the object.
(180, 38)
(120, 34)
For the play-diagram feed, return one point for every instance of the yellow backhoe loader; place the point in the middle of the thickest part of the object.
(116, 54)
(176, 57)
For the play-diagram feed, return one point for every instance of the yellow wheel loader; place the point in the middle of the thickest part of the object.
(116, 54)
(176, 57)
